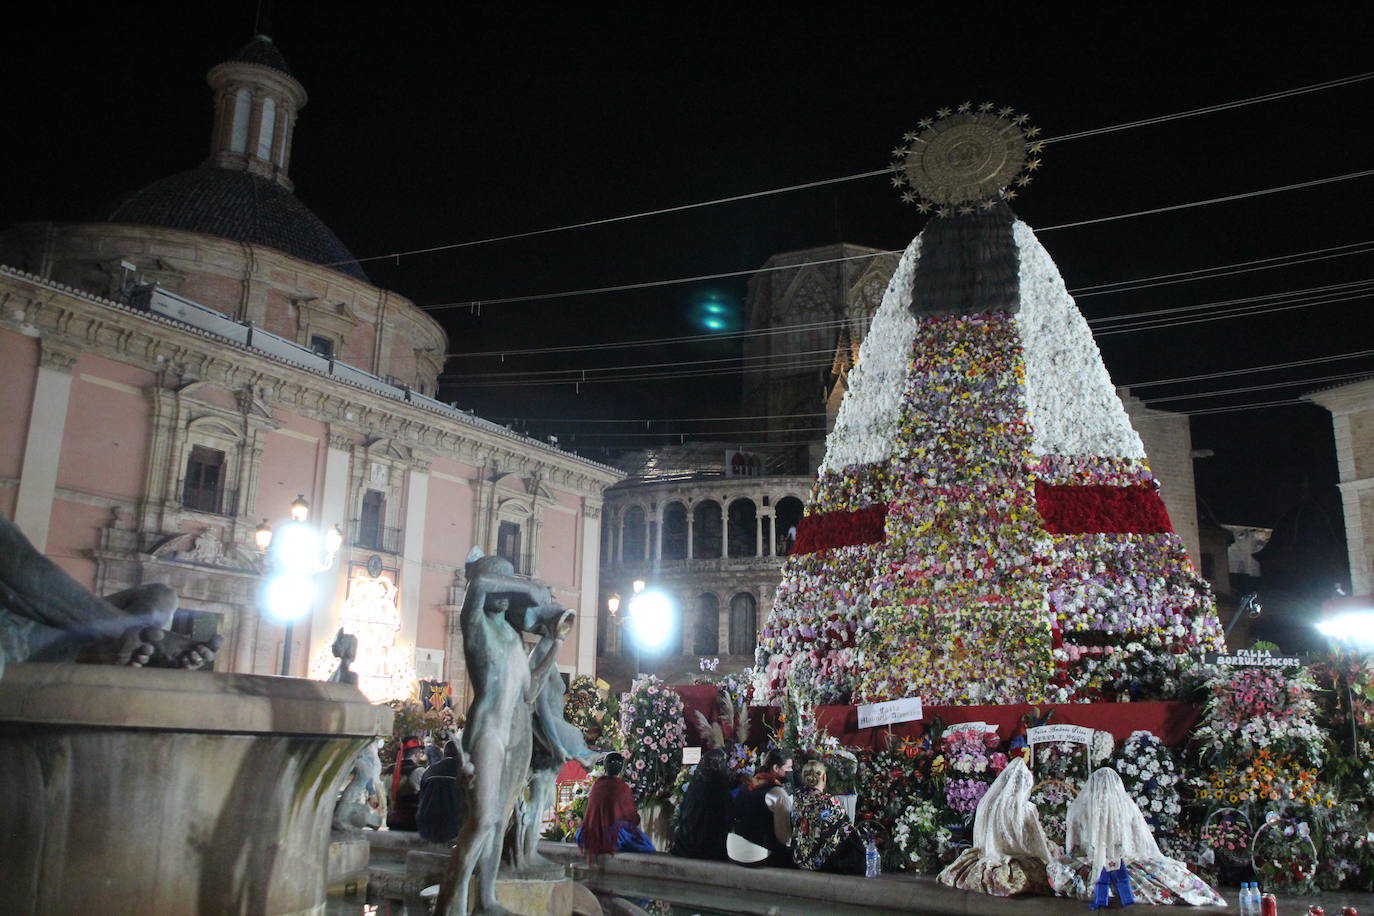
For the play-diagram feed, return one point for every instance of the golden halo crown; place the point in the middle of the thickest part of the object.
(966, 159)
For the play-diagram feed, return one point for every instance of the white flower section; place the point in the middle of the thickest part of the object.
(866, 424)
(1071, 402)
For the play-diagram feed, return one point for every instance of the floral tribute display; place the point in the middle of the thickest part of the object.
(1150, 775)
(984, 527)
(654, 730)
(585, 706)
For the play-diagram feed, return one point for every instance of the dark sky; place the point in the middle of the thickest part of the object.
(432, 124)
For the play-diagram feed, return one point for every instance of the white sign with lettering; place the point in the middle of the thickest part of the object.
(872, 715)
(972, 727)
(1046, 734)
(691, 755)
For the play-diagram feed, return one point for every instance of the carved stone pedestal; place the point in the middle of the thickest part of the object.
(135, 791)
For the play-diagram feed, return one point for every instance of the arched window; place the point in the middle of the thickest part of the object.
(238, 129)
(675, 531)
(706, 530)
(788, 512)
(743, 528)
(632, 533)
(744, 627)
(269, 125)
(707, 638)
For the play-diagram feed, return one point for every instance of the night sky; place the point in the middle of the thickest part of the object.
(427, 127)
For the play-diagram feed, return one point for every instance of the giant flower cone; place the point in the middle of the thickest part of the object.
(984, 527)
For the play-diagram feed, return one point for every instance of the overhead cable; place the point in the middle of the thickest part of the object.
(1268, 97)
(622, 287)
(1201, 273)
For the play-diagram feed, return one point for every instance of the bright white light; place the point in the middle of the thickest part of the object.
(651, 615)
(296, 549)
(1356, 627)
(289, 596)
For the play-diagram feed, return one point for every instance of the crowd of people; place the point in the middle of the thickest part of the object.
(776, 817)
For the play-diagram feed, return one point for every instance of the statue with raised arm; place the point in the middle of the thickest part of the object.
(499, 738)
(47, 616)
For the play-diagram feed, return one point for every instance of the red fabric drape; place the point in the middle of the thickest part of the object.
(1101, 509)
(841, 529)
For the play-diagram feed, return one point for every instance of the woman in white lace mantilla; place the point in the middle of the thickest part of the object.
(1009, 846)
(1113, 854)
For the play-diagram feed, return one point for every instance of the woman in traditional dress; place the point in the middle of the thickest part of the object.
(1113, 854)
(1009, 846)
(611, 822)
(823, 839)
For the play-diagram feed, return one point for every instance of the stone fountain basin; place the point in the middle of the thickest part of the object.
(157, 791)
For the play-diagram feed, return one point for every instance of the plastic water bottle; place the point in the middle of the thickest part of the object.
(872, 864)
(1248, 894)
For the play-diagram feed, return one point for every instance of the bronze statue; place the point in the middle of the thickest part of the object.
(499, 738)
(345, 649)
(47, 616)
(556, 741)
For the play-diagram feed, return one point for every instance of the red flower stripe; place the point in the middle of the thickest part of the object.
(1101, 509)
(841, 529)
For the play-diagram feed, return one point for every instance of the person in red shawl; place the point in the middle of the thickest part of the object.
(611, 823)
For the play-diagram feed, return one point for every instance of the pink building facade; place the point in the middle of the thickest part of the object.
(176, 375)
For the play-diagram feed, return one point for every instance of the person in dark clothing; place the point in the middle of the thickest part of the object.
(441, 800)
(706, 811)
(762, 827)
(405, 785)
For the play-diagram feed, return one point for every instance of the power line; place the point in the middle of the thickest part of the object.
(1299, 383)
(827, 353)
(1239, 313)
(1214, 200)
(1287, 93)
(1354, 354)
(1310, 291)
(649, 284)
(736, 434)
(1208, 273)
(1228, 308)
(1134, 386)
(1366, 247)
(660, 341)
(616, 219)
(1210, 109)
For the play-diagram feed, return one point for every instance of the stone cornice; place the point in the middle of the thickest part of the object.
(88, 323)
(58, 356)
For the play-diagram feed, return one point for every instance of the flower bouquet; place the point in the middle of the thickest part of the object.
(655, 732)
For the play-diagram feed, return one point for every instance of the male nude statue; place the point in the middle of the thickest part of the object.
(498, 739)
(556, 741)
(46, 615)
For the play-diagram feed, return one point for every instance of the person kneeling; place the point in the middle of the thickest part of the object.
(762, 829)
(823, 839)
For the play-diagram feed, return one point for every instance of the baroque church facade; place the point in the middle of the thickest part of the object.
(183, 367)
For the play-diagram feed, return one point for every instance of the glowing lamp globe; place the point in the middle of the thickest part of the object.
(651, 615)
(289, 596)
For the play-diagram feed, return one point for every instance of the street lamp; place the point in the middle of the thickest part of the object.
(295, 554)
(647, 620)
(1354, 629)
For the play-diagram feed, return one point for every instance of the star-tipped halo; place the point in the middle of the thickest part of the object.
(966, 159)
